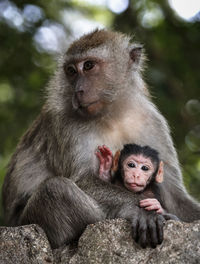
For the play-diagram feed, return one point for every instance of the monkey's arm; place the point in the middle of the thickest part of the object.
(33, 194)
(117, 202)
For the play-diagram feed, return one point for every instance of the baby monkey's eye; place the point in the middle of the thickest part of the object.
(131, 165)
(145, 168)
(88, 65)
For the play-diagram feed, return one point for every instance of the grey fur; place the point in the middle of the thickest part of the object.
(51, 177)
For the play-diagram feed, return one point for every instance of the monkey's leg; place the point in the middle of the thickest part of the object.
(185, 207)
(176, 201)
(62, 210)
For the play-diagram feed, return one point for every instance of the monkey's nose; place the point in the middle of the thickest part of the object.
(79, 95)
(136, 176)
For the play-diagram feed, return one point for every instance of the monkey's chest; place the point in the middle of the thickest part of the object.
(127, 130)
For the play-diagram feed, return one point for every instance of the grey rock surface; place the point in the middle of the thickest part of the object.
(110, 242)
(24, 245)
(107, 242)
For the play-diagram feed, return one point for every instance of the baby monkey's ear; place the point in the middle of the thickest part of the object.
(160, 173)
(115, 162)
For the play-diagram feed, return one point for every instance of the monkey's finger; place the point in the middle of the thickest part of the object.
(99, 156)
(152, 227)
(100, 147)
(142, 231)
(152, 207)
(145, 203)
(134, 224)
(103, 151)
(109, 160)
(107, 150)
(160, 224)
(148, 201)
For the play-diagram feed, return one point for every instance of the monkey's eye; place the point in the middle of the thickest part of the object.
(70, 70)
(131, 165)
(88, 65)
(145, 168)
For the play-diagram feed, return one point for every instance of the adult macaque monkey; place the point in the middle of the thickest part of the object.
(96, 97)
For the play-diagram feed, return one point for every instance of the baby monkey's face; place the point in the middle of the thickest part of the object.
(137, 172)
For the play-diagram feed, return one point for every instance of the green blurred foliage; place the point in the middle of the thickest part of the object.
(172, 46)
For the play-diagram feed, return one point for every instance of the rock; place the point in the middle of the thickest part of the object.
(107, 242)
(110, 242)
(24, 245)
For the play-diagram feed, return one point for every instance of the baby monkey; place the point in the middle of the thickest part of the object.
(139, 169)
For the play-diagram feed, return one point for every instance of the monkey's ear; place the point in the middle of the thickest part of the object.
(159, 176)
(115, 162)
(135, 54)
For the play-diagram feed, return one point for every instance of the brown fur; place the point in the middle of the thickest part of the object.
(93, 40)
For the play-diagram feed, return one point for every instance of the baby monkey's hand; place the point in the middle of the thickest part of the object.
(105, 157)
(152, 204)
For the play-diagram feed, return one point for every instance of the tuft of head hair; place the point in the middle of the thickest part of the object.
(95, 39)
(135, 149)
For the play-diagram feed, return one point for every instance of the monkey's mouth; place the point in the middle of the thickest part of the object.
(86, 105)
(134, 186)
(92, 109)
(78, 104)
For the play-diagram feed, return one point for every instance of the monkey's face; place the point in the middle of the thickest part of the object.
(88, 82)
(137, 172)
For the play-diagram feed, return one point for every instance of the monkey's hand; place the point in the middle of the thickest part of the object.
(152, 204)
(105, 158)
(147, 228)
